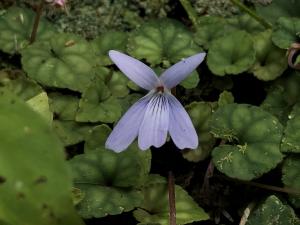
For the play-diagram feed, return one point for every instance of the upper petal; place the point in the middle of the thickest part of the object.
(176, 73)
(181, 128)
(128, 126)
(154, 128)
(135, 70)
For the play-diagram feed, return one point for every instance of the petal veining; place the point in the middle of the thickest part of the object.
(181, 128)
(128, 126)
(178, 72)
(154, 128)
(135, 70)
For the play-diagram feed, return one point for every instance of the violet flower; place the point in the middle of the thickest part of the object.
(151, 117)
(57, 3)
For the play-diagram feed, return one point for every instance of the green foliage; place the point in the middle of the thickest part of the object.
(30, 195)
(225, 56)
(286, 32)
(200, 113)
(166, 41)
(225, 98)
(274, 212)
(110, 181)
(65, 62)
(110, 40)
(277, 9)
(291, 176)
(254, 138)
(16, 26)
(246, 23)
(117, 84)
(97, 104)
(271, 61)
(96, 138)
(155, 207)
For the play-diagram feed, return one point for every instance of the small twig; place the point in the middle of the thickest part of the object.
(36, 22)
(190, 11)
(251, 13)
(246, 213)
(172, 205)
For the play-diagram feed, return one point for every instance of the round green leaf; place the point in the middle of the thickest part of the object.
(200, 113)
(16, 26)
(66, 61)
(35, 181)
(286, 32)
(274, 212)
(115, 40)
(64, 106)
(155, 207)
(254, 138)
(96, 138)
(118, 85)
(161, 40)
(225, 56)
(70, 132)
(97, 105)
(271, 61)
(291, 176)
(191, 81)
(109, 180)
(209, 28)
(291, 137)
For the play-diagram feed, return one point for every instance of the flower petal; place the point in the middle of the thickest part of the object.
(176, 73)
(181, 128)
(154, 128)
(128, 126)
(135, 70)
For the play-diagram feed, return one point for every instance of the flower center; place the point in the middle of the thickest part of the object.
(160, 89)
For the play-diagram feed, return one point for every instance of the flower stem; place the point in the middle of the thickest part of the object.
(36, 22)
(172, 205)
(190, 11)
(251, 13)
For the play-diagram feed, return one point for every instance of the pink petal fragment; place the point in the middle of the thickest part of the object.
(178, 72)
(181, 128)
(128, 126)
(135, 70)
(154, 128)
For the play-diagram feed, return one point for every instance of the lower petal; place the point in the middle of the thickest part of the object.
(128, 126)
(154, 128)
(181, 128)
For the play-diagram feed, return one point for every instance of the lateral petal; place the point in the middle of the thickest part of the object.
(135, 70)
(128, 126)
(178, 72)
(154, 128)
(181, 128)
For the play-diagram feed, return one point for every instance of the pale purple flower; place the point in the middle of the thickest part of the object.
(151, 117)
(58, 3)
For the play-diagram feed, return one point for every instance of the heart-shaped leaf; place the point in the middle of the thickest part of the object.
(155, 207)
(226, 57)
(254, 138)
(66, 61)
(16, 25)
(271, 61)
(109, 180)
(96, 138)
(39, 194)
(244, 22)
(97, 105)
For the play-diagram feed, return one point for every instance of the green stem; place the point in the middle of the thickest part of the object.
(251, 13)
(190, 11)
(36, 22)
